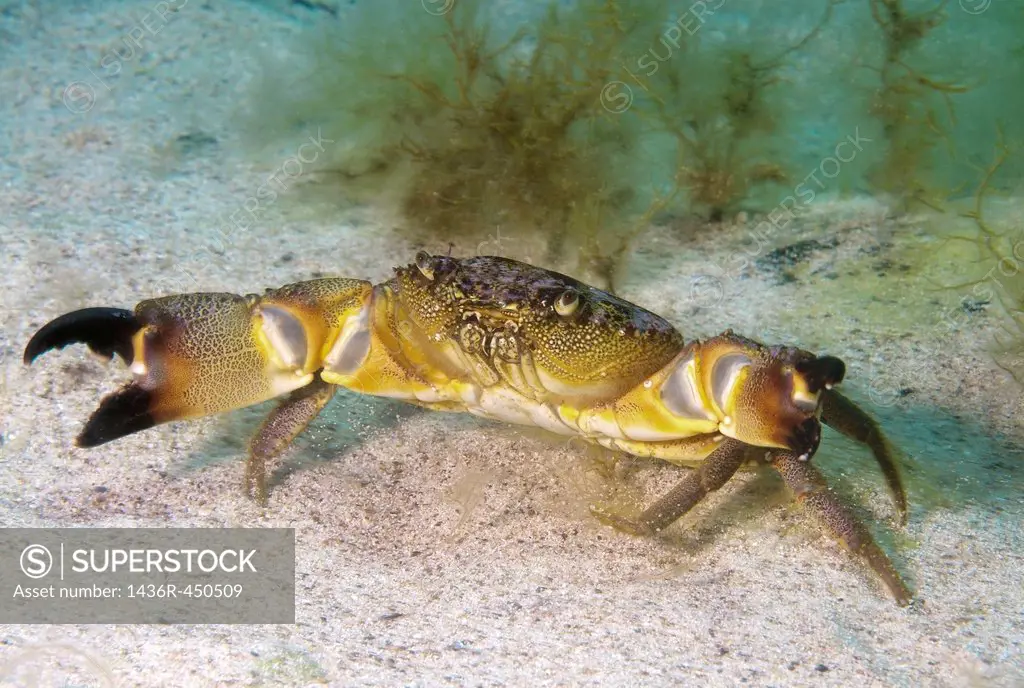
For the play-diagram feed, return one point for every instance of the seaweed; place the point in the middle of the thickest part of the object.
(1003, 245)
(468, 132)
(905, 101)
(1000, 249)
(724, 125)
(472, 131)
(531, 134)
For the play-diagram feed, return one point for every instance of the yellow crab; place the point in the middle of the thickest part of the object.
(499, 339)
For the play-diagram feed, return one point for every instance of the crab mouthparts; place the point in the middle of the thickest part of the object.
(821, 373)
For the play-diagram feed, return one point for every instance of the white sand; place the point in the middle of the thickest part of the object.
(397, 581)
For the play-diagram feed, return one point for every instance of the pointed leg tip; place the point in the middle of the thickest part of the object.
(622, 524)
(257, 493)
(903, 595)
(254, 484)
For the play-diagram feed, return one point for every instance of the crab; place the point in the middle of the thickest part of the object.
(499, 339)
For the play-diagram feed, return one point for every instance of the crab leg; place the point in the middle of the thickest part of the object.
(810, 489)
(842, 414)
(714, 472)
(278, 430)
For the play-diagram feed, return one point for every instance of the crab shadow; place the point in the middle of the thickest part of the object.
(347, 421)
(950, 463)
(953, 463)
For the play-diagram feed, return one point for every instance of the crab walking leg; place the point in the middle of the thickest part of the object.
(277, 431)
(842, 414)
(714, 472)
(810, 488)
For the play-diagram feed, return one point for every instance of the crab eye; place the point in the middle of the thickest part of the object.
(567, 302)
(425, 263)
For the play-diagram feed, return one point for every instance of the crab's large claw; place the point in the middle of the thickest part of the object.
(106, 331)
(194, 355)
(777, 397)
(766, 396)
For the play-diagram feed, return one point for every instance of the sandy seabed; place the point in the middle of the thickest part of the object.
(441, 549)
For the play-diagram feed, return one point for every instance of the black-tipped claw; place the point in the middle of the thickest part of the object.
(822, 372)
(122, 413)
(106, 331)
(805, 438)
